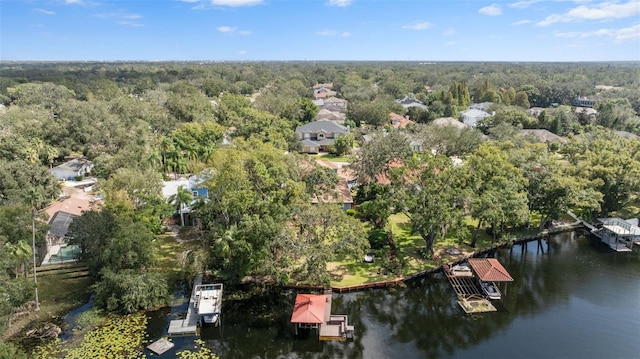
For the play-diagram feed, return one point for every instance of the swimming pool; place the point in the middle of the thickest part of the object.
(66, 254)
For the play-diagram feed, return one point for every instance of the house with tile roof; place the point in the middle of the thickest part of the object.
(341, 195)
(319, 136)
(323, 93)
(399, 121)
(328, 85)
(334, 116)
(449, 121)
(589, 112)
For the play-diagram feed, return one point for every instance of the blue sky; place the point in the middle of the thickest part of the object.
(411, 30)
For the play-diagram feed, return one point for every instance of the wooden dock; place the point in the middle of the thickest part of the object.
(465, 287)
(471, 298)
(188, 325)
(160, 346)
(335, 326)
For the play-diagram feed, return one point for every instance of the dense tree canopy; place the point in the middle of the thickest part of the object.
(141, 123)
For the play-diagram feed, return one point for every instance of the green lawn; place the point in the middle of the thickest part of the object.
(167, 260)
(347, 271)
(334, 158)
(61, 288)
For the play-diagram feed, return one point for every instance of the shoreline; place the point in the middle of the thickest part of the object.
(398, 281)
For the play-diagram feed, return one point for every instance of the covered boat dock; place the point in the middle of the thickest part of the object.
(470, 295)
(313, 311)
(619, 234)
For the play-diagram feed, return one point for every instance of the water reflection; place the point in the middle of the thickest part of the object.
(569, 298)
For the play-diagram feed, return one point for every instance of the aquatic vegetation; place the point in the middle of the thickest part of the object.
(199, 352)
(119, 337)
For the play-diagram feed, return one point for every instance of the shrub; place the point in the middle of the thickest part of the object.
(378, 238)
(128, 291)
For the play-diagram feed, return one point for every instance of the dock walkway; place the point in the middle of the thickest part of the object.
(471, 298)
(335, 327)
(188, 325)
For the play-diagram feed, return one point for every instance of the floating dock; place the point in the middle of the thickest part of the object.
(188, 325)
(160, 346)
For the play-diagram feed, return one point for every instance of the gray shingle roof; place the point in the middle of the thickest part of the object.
(318, 126)
(543, 135)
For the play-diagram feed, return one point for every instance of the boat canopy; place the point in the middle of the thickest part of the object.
(490, 270)
(309, 309)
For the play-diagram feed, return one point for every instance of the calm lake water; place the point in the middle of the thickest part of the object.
(575, 299)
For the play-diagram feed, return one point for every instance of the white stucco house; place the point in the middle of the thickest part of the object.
(72, 169)
(472, 116)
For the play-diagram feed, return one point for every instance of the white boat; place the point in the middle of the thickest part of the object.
(461, 270)
(208, 302)
(490, 289)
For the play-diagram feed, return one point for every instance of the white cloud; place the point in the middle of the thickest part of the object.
(79, 2)
(418, 26)
(491, 10)
(628, 33)
(602, 11)
(123, 18)
(129, 23)
(226, 29)
(119, 15)
(44, 11)
(522, 22)
(450, 43)
(448, 32)
(242, 52)
(235, 3)
(229, 30)
(523, 4)
(326, 33)
(623, 34)
(340, 3)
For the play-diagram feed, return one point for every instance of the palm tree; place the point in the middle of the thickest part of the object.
(34, 197)
(153, 159)
(20, 253)
(51, 153)
(166, 147)
(182, 197)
